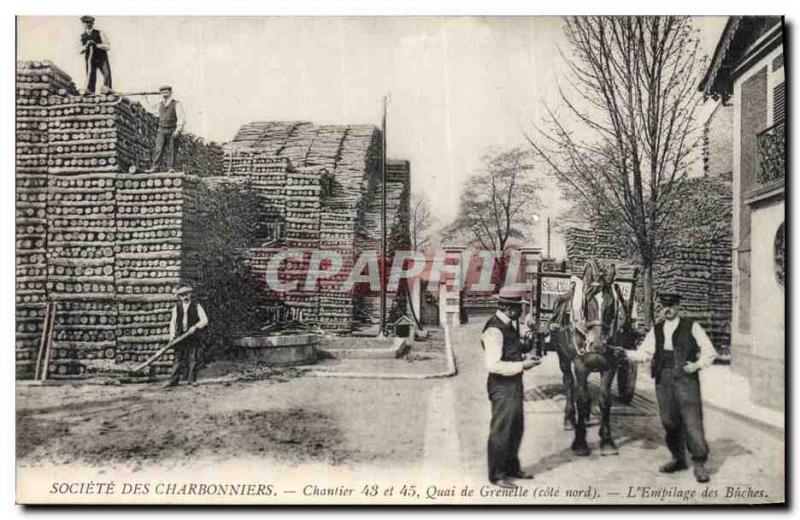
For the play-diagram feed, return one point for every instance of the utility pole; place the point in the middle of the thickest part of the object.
(548, 237)
(382, 332)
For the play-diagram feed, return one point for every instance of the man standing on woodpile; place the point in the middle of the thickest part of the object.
(171, 120)
(679, 348)
(187, 316)
(95, 46)
(505, 362)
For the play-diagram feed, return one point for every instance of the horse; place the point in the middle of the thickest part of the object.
(588, 323)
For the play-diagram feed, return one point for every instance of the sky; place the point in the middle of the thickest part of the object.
(458, 87)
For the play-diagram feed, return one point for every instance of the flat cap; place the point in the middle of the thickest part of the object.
(183, 290)
(164, 87)
(87, 18)
(668, 299)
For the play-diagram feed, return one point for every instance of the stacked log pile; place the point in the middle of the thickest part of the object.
(695, 260)
(331, 178)
(258, 259)
(81, 238)
(158, 250)
(109, 248)
(92, 134)
(266, 175)
(195, 156)
(345, 190)
(302, 232)
(36, 83)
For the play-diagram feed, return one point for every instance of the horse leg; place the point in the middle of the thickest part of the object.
(607, 446)
(569, 390)
(579, 445)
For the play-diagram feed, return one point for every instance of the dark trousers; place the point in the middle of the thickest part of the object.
(92, 66)
(681, 409)
(186, 357)
(165, 147)
(505, 430)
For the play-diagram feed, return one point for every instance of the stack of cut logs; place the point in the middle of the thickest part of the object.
(104, 133)
(302, 231)
(157, 249)
(36, 82)
(81, 234)
(267, 177)
(331, 182)
(695, 260)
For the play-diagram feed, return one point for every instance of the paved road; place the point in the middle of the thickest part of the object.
(742, 455)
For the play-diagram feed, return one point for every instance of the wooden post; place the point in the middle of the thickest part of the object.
(383, 226)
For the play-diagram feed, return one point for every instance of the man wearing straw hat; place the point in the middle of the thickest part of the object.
(505, 361)
(187, 316)
(678, 348)
(95, 46)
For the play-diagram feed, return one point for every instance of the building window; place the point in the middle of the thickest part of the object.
(780, 255)
(778, 102)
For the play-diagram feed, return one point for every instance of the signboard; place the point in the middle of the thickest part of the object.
(552, 285)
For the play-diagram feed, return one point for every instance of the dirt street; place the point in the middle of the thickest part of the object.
(432, 432)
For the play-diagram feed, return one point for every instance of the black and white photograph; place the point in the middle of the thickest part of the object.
(400, 260)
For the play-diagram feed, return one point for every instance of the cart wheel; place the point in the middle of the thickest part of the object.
(626, 382)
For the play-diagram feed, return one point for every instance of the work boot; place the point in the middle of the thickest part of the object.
(504, 483)
(701, 473)
(673, 466)
(523, 475)
(169, 386)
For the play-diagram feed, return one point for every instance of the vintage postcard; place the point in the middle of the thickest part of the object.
(400, 260)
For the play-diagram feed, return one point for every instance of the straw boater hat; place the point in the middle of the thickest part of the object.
(183, 290)
(510, 296)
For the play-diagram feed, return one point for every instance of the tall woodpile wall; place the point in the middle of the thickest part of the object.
(695, 260)
(35, 83)
(109, 248)
(322, 193)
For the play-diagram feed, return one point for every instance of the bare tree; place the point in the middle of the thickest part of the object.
(422, 221)
(497, 204)
(633, 103)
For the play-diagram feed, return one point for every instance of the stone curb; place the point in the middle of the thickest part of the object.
(449, 354)
(398, 349)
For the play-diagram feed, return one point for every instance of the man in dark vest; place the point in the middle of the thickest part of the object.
(170, 125)
(95, 46)
(505, 361)
(678, 348)
(187, 316)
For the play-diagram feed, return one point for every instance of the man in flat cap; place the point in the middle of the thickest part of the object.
(171, 120)
(187, 316)
(505, 361)
(95, 46)
(678, 348)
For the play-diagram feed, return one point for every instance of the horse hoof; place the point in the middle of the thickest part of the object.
(569, 426)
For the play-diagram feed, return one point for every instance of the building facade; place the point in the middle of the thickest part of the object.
(718, 142)
(747, 72)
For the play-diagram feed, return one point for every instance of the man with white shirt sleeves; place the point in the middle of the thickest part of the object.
(95, 46)
(505, 361)
(187, 316)
(678, 348)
